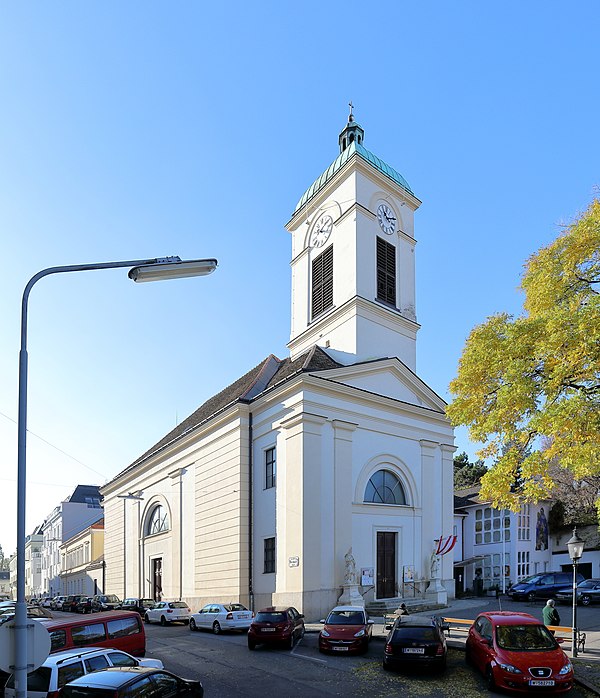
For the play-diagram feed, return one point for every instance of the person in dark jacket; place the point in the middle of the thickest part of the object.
(550, 614)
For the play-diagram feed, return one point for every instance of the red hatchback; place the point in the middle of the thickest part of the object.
(346, 629)
(516, 652)
(276, 626)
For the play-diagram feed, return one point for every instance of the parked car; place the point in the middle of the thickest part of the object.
(84, 605)
(276, 625)
(57, 602)
(218, 617)
(46, 601)
(168, 612)
(415, 641)
(137, 604)
(105, 602)
(346, 629)
(515, 651)
(70, 603)
(62, 667)
(131, 681)
(8, 613)
(541, 586)
(588, 592)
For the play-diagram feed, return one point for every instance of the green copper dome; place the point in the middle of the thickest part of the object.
(354, 148)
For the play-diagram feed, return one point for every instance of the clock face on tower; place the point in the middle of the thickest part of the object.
(321, 231)
(386, 218)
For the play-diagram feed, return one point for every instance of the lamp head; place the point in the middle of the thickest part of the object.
(575, 546)
(172, 268)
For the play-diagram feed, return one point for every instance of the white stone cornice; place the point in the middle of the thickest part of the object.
(448, 449)
(343, 430)
(428, 446)
(304, 418)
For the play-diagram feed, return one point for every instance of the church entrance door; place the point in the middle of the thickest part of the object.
(386, 564)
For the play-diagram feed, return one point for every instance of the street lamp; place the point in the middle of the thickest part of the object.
(154, 269)
(137, 497)
(575, 546)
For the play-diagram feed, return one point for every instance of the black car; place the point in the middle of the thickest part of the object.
(70, 603)
(413, 641)
(588, 592)
(105, 602)
(115, 682)
(84, 605)
(137, 604)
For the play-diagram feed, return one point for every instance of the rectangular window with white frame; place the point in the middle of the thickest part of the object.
(270, 468)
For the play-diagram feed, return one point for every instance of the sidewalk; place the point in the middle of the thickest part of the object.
(587, 664)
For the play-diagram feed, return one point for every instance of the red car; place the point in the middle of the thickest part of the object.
(346, 629)
(515, 651)
(276, 626)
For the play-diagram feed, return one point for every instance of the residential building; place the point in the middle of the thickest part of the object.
(33, 564)
(80, 558)
(5, 587)
(74, 514)
(310, 474)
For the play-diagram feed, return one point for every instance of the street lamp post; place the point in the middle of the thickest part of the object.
(575, 546)
(125, 497)
(141, 270)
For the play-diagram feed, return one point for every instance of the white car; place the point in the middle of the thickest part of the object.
(168, 612)
(65, 666)
(219, 616)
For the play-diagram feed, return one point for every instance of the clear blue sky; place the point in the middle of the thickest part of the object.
(144, 129)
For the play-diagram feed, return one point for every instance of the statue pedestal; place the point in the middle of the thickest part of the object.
(436, 592)
(351, 596)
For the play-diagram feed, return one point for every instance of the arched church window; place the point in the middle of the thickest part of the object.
(351, 138)
(384, 488)
(158, 521)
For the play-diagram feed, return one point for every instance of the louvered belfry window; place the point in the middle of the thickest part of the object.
(322, 282)
(386, 272)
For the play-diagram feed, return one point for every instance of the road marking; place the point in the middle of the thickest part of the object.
(310, 659)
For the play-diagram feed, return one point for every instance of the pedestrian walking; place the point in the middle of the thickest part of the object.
(550, 614)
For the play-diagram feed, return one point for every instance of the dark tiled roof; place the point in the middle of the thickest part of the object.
(83, 491)
(466, 497)
(263, 377)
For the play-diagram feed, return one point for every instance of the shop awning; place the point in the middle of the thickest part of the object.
(469, 561)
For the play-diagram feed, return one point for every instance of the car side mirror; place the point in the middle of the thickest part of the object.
(301, 615)
(389, 627)
(322, 620)
(370, 622)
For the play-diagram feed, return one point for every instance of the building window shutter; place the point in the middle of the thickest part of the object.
(322, 282)
(386, 272)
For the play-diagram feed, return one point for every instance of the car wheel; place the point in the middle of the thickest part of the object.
(193, 625)
(387, 667)
(489, 679)
(468, 657)
(163, 621)
(251, 645)
(146, 619)
(216, 627)
(301, 633)
(531, 596)
(586, 600)
(290, 643)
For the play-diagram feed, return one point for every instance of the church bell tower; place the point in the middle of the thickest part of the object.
(353, 267)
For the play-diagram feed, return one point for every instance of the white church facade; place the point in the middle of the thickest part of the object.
(339, 449)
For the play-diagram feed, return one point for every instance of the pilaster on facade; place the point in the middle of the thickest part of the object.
(343, 433)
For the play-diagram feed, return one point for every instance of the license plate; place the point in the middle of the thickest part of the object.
(540, 682)
(414, 650)
(340, 649)
(244, 615)
(268, 630)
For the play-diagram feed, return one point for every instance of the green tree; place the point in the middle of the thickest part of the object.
(467, 474)
(537, 377)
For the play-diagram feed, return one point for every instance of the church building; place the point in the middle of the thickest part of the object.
(338, 452)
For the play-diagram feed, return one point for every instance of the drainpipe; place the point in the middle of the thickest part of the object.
(250, 520)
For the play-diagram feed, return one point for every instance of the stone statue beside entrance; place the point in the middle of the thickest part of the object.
(351, 595)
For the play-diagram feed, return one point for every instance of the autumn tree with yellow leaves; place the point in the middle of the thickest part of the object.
(528, 388)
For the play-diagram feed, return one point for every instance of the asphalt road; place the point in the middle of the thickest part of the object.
(227, 668)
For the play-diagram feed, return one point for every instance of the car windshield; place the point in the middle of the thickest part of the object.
(525, 638)
(531, 580)
(587, 584)
(345, 618)
(415, 633)
(270, 617)
(178, 604)
(38, 680)
(111, 598)
(234, 607)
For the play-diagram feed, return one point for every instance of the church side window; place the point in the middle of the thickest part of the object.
(269, 555)
(270, 468)
(384, 488)
(322, 282)
(386, 272)
(158, 521)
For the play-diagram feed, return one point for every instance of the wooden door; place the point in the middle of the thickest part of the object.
(386, 565)
(157, 578)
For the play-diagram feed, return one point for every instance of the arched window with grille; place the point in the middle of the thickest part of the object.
(158, 521)
(384, 487)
